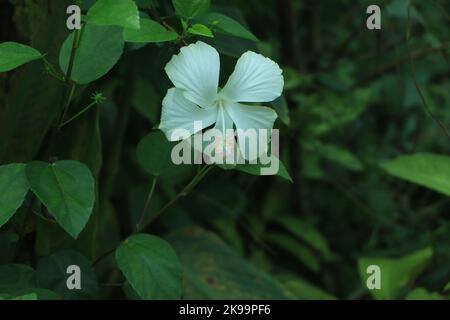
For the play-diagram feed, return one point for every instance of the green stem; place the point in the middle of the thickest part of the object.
(147, 204)
(184, 192)
(78, 114)
(198, 177)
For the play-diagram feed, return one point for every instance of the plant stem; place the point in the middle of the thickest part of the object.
(68, 77)
(78, 114)
(147, 203)
(65, 104)
(198, 177)
(185, 191)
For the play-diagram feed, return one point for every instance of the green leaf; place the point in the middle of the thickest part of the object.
(428, 170)
(201, 30)
(121, 13)
(15, 277)
(306, 232)
(146, 100)
(13, 55)
(67, 189)
(51, 273)
(28, 296)
(423, 294)
(154, 153)
(99, 50)
(295, 249)
(255, 169)
(304, 290)
(212, 270)
(281, 107)
(150, 31)
(41, 293)
(191, 8)
(13, 189)
(447, 287)
(338, 155)
(226, 25)
(151, 266)
(396, 273)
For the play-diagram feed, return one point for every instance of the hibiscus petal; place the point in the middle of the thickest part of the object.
(257, 118)
(255, 79)
(196, 70)
(180, 113)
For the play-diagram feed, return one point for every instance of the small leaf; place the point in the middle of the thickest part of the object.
(256, 169)
(151, 266)
(396, 273)
(428, 170)
(13, 55)
(150, 31)
(121, 13)
(67, 189)
(99, 50)
(13, 189)
(226, 25)
(191, 8)
(201, 30)
(154, 153)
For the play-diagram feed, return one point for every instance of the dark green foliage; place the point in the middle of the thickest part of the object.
(86, 177)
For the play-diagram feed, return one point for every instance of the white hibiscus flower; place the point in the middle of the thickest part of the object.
(197, 97)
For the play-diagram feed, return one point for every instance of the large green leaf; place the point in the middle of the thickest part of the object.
(226, 25)
(153, 153)
(67, 189)
(150, 31)
(396, 273)
(98, 51)
(14, 277)
(212, 270)
(51, 273)
(428, 170)
(13, 189)
(122, 13)
(151, 266)
(191, 8)
(13, 55)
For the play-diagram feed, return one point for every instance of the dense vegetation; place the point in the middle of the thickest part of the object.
(85, 179)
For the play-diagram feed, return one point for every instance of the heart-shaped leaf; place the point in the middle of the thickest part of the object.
(67, 189)
(13, 189)
(151, 266)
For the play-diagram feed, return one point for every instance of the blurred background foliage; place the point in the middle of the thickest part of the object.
(354, 98)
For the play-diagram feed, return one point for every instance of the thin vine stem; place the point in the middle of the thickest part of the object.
(443, 127)
(147, 204)
(185, 191)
